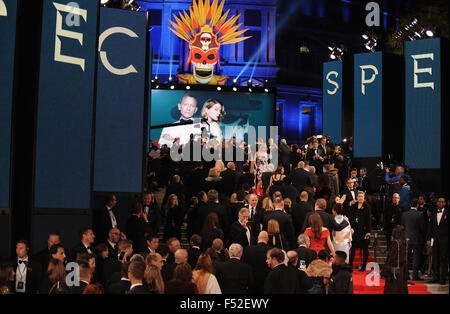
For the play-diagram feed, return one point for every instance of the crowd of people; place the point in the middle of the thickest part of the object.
(253, 226)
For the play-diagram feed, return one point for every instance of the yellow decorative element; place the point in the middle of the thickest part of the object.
(190, 79)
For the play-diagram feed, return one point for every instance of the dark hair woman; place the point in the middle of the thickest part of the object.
(182, 281)
(211, 230)
(318, 234)
(324, 189)
(395, 270)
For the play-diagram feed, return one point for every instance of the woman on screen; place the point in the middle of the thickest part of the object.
(213, 112)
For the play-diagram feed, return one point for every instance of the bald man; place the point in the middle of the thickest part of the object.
(255, 256)
(299, 212)
(229, 178)
(181, 256)
(255, 220)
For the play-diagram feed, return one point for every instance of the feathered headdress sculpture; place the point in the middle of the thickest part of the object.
(206, 29)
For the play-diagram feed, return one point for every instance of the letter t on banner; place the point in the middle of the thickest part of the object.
(332, 100)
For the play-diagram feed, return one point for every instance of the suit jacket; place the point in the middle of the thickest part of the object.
(299, 212)
(112, 251)
(233, 211)
(78, 289)
(392, 215)
(136, 230)
(255, 256)
(238, 234)
(245, 178)
(414, 225)
(305, 283)
(154, 217)
(43, 257)
(139, 290)
(193, 255)
(289, 191)
(286, 225)
(167, 271)
(438, 232)
(120, 287)
(234, 277)
(306, 255)
(101, 223)
(315, 162)
(327, 220)
(346, 191)
(111, 266)
(229, 181)
(282, 280)
(34, 276)
(300, 179)
(79, 248)
(255, 221)
(285, 154)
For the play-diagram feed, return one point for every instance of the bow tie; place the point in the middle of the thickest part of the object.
(25, 262)
(185, 120)
(440, 211)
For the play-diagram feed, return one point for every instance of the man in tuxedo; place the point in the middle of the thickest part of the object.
(85, 245)
(240, 230)
(229, 178)
(176, 187)
(350, 195)
(392, 216)
(245, 178)
(236, 206)
(114, 265)
(254, 256)
(174, 245)
(195, 182)
(315, 156)
(364, 183)
(285, 156)
(181, 256)
(414, 225)
(299, 212)
(104, 218)
(289, 191)
(111, 243)
(217, 246)
(86, 274)
(122, 286)
(136, 272)
(256, 216)
(234, 276)
(151, 210)
(281, 279)
(28, 272)
(284, 221)
(437, 237)
(300, 177)
(305, 282)
(313, 177)
(213, 206)
(327, 219)
(152, 244)
(194, 251)
(156, 259)
(43, 257)
(304, 253)
(138, 227)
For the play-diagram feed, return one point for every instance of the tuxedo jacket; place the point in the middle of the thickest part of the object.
(78, 289)
(438, 232)
(136, 230)
(238, 234)
(285, 223)
(139, 290)
(233, 211)
(193, 255)
(255, 221)
(112, 251)
(234, 277)
(282, 280)
(34, 276)
(101, 223)
(120, 287)
(229, 181)
(77, 249)
(299, 212)
(306, 255)
(346, 191)
(300, 179)
(414, 225)
(255, 256)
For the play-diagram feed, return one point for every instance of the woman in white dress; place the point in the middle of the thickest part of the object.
(203, 276)
(341, 239)
(213, 112)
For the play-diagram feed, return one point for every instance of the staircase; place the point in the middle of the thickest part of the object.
(378, 237)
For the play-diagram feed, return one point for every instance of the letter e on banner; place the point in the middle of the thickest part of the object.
(418, 70)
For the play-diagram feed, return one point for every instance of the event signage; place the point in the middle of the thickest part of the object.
(332, 100)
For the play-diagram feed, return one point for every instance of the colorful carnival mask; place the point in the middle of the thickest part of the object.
(206, 29)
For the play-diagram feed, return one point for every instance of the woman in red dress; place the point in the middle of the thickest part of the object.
(318, 235)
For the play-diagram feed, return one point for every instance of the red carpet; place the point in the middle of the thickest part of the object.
(371, 283)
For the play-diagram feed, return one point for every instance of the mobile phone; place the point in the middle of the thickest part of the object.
(302, 264)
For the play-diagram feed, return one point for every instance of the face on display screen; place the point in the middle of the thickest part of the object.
(215, 115)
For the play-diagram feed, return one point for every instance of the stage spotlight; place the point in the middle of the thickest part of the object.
(365, 36)
(249, 82)
(219, 88)
(429, 33)
(250, 90)
(188, 87)
(344, 140)
(170, 79)
(266, 83)
(104, 2)
(130, 5)
(172, 86)
(336, 52)
(266, 90)
(157, 86)
(234, 89)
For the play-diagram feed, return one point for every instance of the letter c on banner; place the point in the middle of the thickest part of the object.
(332, 82)
(3, 10)
(104, 58)
(363, 76)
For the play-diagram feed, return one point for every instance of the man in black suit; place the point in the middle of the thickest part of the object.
(181, 256)
(281, 279)
(284, 221)
(194, 251)
(229, 178)
(245, 178)
(240, 230)
(364, 182)
(138, 227)
(43, 257)
(28, 273)
(152, 242)
(350, 195)
(174, 245)
(196, 180)
(85, 245)
(315, 156)
(414, 225)
(136, 272)
(114, 236)
(255, 256)
(289, 191)
(114, 265)
(235, 206)
(86, 274)
(175, 187)
(104, 218)
(213, 206)
(299, 212)
(285, 156)
(305, 282)
(327, 219)
(152, 211)
(392, 216)
(256, 216)
(234, 276)
(304, 253)
(437, 237)
(122, 286)
(217, 246)
(300, 177)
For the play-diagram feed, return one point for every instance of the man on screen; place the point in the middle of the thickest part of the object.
(187, 107)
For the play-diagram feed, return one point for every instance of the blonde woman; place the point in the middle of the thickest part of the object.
(212, 113)
(154, 280)
(174, 218)
(276, 239)
(203, 276)
(267, 204)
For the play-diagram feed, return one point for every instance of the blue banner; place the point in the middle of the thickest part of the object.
(120, 107)
(423, 104)
(332, 100)
(368, 105)
(65, 104)
(8, 15)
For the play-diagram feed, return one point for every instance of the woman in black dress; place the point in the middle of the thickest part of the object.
(360, 220)
(174, 218)
(395, 271)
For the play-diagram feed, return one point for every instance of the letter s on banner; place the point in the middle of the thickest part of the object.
(333, 82)
(103, 56)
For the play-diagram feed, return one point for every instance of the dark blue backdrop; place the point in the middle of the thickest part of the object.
(332, 100)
